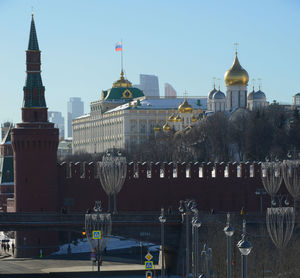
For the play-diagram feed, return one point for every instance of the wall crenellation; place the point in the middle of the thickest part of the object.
(165, 170)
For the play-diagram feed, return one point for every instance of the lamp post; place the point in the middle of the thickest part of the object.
(196, 225)
(185, 208)
(260, 192)
(228, 230)
(98, 230)
(245, 248)
(112, 174)
(162, 220)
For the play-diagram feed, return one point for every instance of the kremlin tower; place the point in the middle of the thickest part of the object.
(34, 142)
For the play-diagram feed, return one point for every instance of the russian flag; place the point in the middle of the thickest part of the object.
(118, 46)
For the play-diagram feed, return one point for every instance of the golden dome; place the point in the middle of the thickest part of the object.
(185, 107)
(194, 119)
(172, 118)
(236, 75)
(166, 127)
(122, 82)
(156, 128)
(178, 119)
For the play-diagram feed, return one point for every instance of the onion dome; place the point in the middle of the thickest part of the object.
(178, 119)
(251, 95)
(218, 95)
(259, 95)
(156, 128)
(236, 75)
(185, 107)
(166, 127)
(172, 118)
(194, 119)
(211, 93)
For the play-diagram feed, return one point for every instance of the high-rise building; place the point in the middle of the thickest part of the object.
(149, 85)
(75, 109)
(59, 122)
(4, 129)
(296, 99)
(170, 91)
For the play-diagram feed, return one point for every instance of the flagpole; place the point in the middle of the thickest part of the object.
(122, 56)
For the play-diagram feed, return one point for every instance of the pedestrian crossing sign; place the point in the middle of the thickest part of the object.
(148, 265)
(96, 234)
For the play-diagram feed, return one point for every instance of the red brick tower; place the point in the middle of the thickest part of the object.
(35, 142)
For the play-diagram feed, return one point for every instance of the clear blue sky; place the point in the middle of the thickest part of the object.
(185, 43)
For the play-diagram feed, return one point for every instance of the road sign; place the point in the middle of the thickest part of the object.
(148, 265)
(96, 234)
(148, 257)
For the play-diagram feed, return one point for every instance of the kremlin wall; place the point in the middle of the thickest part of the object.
(42, 185)
(147, 189)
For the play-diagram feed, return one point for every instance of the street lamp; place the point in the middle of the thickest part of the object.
(261, 191)
(98, 230)
(245, 248)
(162, 220)
(186, 208)
(228, 230)
(112, 173)
(272, 175)
(196, 225)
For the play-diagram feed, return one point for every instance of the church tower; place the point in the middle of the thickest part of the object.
(236, 79)
(35, 142)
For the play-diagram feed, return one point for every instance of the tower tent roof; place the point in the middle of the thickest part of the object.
(33, 42)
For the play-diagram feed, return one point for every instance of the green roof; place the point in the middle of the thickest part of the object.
(7, 162)
(34, 81)
(123, 93)
(6, 169)
(33, 42)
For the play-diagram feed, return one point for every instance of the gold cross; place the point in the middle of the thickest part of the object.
(185, 94)
(259, 83)
(236, 47)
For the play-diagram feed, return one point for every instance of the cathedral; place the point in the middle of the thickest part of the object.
(236, 80)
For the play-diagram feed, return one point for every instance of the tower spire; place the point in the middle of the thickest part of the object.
(33, 42)
(34, 91)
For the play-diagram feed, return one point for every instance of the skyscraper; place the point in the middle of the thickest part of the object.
(170, 91)
(149, 85)
(4, 128)
(59, 122)
(75, 109)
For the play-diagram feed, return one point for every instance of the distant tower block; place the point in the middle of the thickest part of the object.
(35, 142)
(170, 91)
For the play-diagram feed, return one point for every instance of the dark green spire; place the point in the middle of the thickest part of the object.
(33, 89)
(33, 42)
